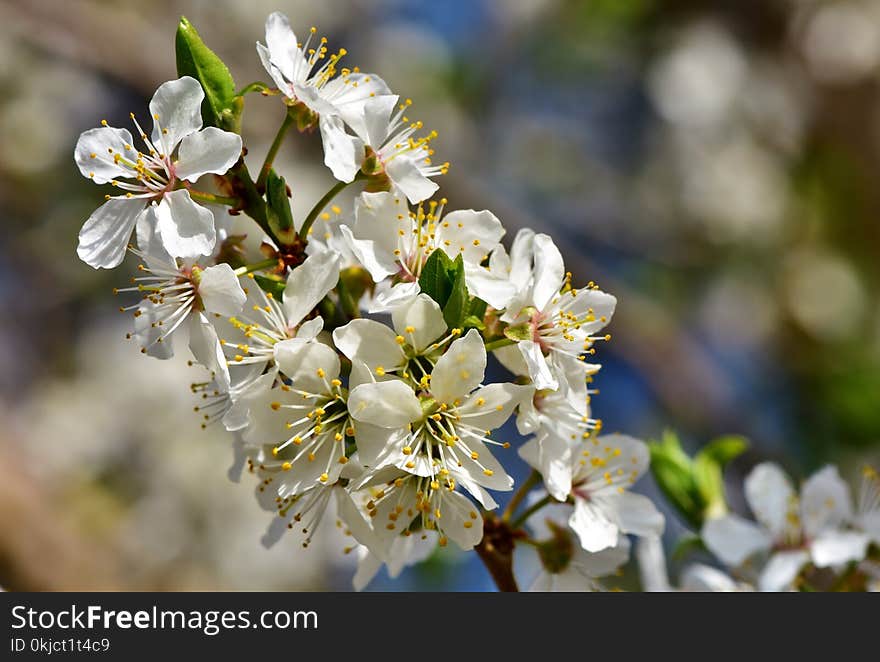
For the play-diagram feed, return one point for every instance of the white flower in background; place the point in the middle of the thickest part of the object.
(572, 569)
(867, 517)
(385, 136)
(557, 323)
(441, 432)
(565, 565)
(559, 430)
(419, 331)
(253, 338)
(305, 74)
(176, 294)
(792, 531)
(177, 150)
(602, 470)
(696, 577)
(391, 241)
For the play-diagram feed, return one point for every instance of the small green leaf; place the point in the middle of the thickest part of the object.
(724, 449)
(435, 280)
(458, 302)
(473, 322)
(280, 218)
(272, 284)
(195, 59)
(686, 544)
(478, 308)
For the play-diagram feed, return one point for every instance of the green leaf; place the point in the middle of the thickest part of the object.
(678, 486)
(478, 308)
(708, 466)
(435, 280)
(272, 284)
(458, 304)
(280, 218)
(221, 107)
(724, 449)
(686, 544)
(473, 322)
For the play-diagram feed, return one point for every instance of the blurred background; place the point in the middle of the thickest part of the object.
(713, 164)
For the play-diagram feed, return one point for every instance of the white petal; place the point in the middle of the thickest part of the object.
(825, 501)
(652, 564)
(390, 404)
(703, 578)
(635, 513)
(460, 520)
(834, 548)
(104, 237)
(354, 521)
(150, 243)
(380, 447)
(186, 228)
(308, 283)
(367, 567)
(210, 150)
(220, 290)
(379, 263)
(770, 496)
(489, 406)
(471, 234)
(101, 168)
(734, 539)
(283, 48)
(310, 329)
(380, 217)
(782, 569)
(343, 153)
(511, 358)
(488, 286)
(539, 371)
(601, 564)
(593, 526)
(178, 104)
(372, 343)
(551, 455)
(592, 304)
(305, 361)
(278, 78)
(549, 271)
(404, 172)
(387, 299)
(206, 349)
(422, 314)
(368, 117)
(460, 370)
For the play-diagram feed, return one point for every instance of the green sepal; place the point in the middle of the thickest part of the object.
(274, 285)
(437, 277)
(221, 107)
(279, 216)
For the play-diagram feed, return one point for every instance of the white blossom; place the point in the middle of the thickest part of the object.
(791, 530)
(179, 150)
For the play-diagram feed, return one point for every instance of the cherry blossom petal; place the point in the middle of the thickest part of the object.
(176, 109)
(186, 228)
(95, 150)
(460, 370)
(210, 150)
(308, 283)
(220, 290)
(104, 236)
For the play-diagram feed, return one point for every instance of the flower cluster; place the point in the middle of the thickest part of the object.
(351, 366)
